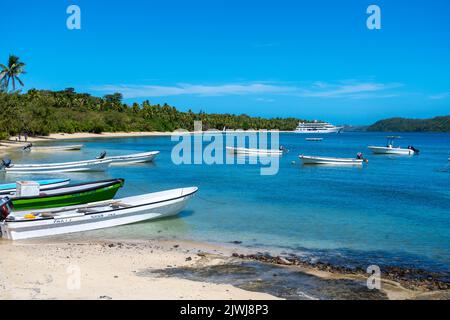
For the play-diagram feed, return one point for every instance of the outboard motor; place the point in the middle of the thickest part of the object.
(5, 208)
(6, 162)
(413, 149)
(102, 155)
(28, 147)
(359, 156)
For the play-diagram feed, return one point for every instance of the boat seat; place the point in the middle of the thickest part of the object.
(47, 214)
(86, 210)
(117, 205)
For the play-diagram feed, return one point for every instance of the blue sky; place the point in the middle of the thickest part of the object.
(309, 59)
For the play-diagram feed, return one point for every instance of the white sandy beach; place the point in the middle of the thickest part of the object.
(46, 269)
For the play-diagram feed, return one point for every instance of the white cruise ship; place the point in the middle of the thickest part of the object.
(317, 127)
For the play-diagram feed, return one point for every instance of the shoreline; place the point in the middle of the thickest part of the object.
(109, 268)
(13, 142)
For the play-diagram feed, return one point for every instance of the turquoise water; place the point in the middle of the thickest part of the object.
(395, 210)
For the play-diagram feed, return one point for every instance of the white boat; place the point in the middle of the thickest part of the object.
(331, 161)
(44, 168)
(391, 149)
(130, 158)
(11, 188)
(313, 139)
(317, 127)
(31, 147)
(97, 215)
(255, 152)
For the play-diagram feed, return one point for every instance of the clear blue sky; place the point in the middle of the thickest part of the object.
(310, 59)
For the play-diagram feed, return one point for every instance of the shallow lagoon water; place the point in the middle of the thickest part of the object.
(395, 210)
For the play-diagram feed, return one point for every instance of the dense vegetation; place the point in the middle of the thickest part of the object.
(438, 124)
(39, 112)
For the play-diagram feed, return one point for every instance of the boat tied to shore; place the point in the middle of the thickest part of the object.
(97, 215)
(32, 148)
(130, 158)
(70, 195)
(45, 168)
(391, 149)
(11, 188)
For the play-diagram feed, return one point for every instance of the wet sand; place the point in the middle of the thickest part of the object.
(162, 269)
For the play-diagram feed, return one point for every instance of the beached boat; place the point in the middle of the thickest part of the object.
(313, 139)
(391, 149)
(255, 152)
(45, 168)
(68, 195)
(97, 215)
(11, 188)
(31, 147)
(331, 161)
(130, 158)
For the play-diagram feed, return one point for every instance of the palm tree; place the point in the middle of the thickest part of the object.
(11, 72)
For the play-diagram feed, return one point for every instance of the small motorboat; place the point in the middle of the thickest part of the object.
(45, 168)
(314, 139)
(130, 158)
(97, 215)
(31, 147)
(256, 152)
(391, 149)
(67, 195)
(359, 160)
(10, 188)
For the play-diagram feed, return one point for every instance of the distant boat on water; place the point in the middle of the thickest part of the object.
(254, 152)
(391, 149)
(31, 147)
(317, 127)
(331, 161)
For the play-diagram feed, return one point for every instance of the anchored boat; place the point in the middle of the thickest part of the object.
(68, 195)
(31, 147)
(333, 161)
(130, 158)
(317, 127)
(11, 188)
(97, 215)
(391, 149)
(44, 168)
(255, 152)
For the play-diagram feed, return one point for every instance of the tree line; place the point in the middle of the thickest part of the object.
(436, 124)
(41, 112)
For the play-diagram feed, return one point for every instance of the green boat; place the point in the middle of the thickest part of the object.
(69, 195)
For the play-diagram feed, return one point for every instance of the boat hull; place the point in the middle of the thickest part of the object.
(254, 152)
(9, 188)
(57, 148)
(330, 161)
(133, 158)
(82, 166)
(395, 151)
(157, 209)
(319, 131)
(105, 191)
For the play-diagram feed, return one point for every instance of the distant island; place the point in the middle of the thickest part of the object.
(436, 124)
